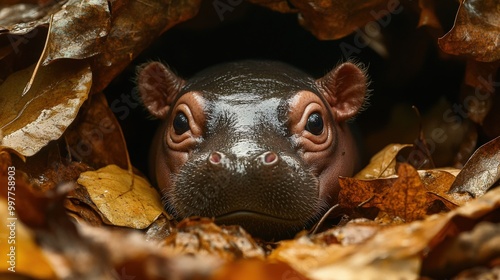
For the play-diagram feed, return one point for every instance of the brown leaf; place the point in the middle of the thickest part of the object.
(19, 248)
(355, 192)
(113, 189)
(78, 30)
(437, 183)
(129, 36)
(203, 237)
(30, 121)
(483, 246)
(160, 229)
(479, 89)
(403, 197)
(22, 18)
(95, 137)
(257, 269)
(481, 171)
(475, 31)
(406, 198)
(382, 164)
(354, 232)
(330, 20)
(394, 252)
(282, 6)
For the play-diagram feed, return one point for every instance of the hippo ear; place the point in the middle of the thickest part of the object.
(158, 87)
(345, 89)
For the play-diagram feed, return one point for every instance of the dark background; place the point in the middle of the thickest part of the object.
(415, 72)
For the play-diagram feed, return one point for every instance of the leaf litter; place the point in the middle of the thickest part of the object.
(419, 219)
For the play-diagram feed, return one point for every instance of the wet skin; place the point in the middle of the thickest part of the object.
(255, 143)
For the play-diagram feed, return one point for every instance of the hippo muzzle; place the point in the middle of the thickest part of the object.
(255, 143)
(264, 191)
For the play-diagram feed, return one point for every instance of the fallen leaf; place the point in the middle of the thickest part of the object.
(19, 248)
(95, 137)
(330, 20)
(356, 192)
(22, 18)
(449, 258)
(409, 196)
(17, 241)
(203, 237)
(257, 269)
(30, 121)
(114, 190)
(481, 171)
(437, 183)
(128, 36)
(160, 229)
(382, 164)
(78, 30)
(406, 198)
(394, 252)
(474, 33)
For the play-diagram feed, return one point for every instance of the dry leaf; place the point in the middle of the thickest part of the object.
(203, 237)
(406, 198)
(78, 30)
(18, 244)
(410, 196)
(475, 31)
(257, 270)
(330, 20)
(95, 137)
(481, 171)
(483, 246)
(393, 253)
(437, 183)
(355, 192)
(129, 36)
(382, 164)
(114, 190)
(29, 122)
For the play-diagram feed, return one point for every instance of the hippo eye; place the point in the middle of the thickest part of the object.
(181, 123)
(314, 124)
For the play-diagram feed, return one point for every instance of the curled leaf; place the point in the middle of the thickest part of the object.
(481, 171)
(382, 164)
(28, 122)
(115, 190)
(475, 32)
(80, 35)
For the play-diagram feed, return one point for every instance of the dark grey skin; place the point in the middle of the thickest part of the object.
(255, 143)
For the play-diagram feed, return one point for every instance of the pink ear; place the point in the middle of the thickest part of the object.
(158, 87)
(345, 89)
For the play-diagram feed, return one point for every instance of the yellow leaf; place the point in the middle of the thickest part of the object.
(124, 199)
(382, 164)
(29, 121)
(19, 250)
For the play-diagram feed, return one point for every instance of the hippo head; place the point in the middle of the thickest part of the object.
(255, 143)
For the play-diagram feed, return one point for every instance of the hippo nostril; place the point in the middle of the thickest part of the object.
(269, 158)
(215, 158)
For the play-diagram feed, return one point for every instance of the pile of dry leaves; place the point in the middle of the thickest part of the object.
(63, 159)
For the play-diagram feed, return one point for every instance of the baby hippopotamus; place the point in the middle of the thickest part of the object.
(255, 143)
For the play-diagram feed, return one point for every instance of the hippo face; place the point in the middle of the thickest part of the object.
(255, 143)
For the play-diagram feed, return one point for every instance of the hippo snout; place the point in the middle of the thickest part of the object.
(266, 192)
